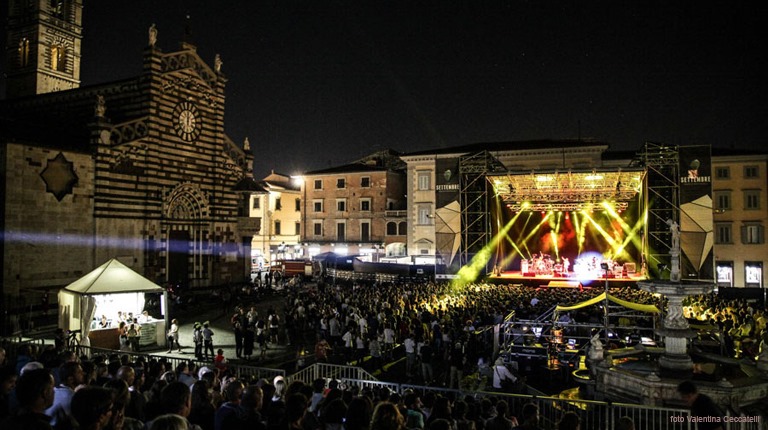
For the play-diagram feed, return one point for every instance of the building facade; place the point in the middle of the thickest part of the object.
(140, 170)
(279, 212)
(740, 193)
(355, 209)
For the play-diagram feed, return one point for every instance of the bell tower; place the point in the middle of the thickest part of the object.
(43, 46)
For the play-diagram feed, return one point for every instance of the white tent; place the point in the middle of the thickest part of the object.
(77, 302)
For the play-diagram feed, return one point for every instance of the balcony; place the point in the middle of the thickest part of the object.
(248, 226)
(395, 214)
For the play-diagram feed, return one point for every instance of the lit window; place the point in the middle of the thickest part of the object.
(752, 234)
(58, 56)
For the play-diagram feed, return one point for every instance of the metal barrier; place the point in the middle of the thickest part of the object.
(329, 372)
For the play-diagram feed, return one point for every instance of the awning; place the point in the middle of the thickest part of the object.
(634, 306)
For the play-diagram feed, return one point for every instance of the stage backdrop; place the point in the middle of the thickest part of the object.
(696, 224)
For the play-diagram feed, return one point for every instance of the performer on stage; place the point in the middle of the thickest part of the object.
(566, 265)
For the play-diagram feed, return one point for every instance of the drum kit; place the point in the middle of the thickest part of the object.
(542, 264)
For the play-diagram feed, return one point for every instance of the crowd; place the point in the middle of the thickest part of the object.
(443, 329)
(63, 392)
(739, 326)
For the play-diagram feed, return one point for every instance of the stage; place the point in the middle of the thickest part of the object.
(563, 280)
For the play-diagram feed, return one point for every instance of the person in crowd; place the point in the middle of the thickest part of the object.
(92, 408)
(176, 398)
(197, 339)
(569, 421)
(220, 362)
(457, 359)
(134, 335)
(359, 413)
(625, 423)
(251, 406)
(322, 347)
(295, 408)
(7, 386)
(34, 393)
(502, 377)
(207, 340)
(170, 422)
(120, 399)
(387, 416)
(71, 376)
(203, 411)
(414, 417)
(502, 420)
(173, 335)
(184, 373)
(701, 406)
(460, 410)
(230, 415)
(529, 417)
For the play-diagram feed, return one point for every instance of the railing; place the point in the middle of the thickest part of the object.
(328, 372)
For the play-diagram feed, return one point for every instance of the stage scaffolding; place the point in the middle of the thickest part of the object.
(475, 216)
(662, 201)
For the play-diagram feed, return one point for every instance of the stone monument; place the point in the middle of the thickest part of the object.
(675, 330)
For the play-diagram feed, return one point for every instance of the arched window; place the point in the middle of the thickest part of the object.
(391, 228)
(401, 228)
(24, 52)
(58, 58)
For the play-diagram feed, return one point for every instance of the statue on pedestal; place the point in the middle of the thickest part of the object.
(596, 347)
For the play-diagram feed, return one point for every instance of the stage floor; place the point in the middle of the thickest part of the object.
(571, 280)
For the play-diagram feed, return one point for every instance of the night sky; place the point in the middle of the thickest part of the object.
(320, 83)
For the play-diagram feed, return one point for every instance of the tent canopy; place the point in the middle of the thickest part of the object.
(634, 306)
(112, 277)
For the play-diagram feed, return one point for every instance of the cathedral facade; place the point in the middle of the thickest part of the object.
(140, 169)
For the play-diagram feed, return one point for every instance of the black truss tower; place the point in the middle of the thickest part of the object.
(662, 163)
(475, 216)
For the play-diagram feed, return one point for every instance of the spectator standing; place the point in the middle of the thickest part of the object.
(203, 411)
(173, 335)
(701, 406)
(71, 375)
(92, 408)
(197, 338)
(410, 355)
(34, 392)
(501, 374)
(229, 415)
(220, 362)
(207, 340)
(530, 417)
(501, 421)
(386, 416)
(248, 342)
(457, 360)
